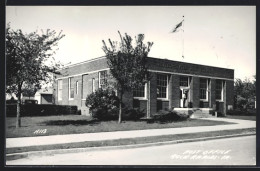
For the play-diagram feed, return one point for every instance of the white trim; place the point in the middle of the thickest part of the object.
(77, 87)
(145, 94)
(70, 87)
(163, 99)
(99, 76)
(140, 98)
(188, 82)
(205, 109)
(85, 73)
(193, 75)
(99, 86)
(93, 85)
(59, 98)
(222, 91)
(207, 91)
(91, 60)
(167, 89)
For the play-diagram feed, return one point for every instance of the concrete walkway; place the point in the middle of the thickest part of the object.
(74, 138)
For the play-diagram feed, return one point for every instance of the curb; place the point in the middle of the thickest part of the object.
(15, 156)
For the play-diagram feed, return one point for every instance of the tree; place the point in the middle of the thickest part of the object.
(30, 90)
(245, 92)
(127, 63)
(26, 58)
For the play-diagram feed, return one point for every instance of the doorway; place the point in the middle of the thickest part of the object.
(184, 97)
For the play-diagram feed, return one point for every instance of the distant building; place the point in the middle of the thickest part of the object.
(10, 96)
(44, 96)
(178, 85)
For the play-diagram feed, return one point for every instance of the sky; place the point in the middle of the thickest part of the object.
(221, 36)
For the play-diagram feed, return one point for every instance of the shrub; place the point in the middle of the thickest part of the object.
(132, 114)
(241, 112)
(168, 116)
(103, 104)
(105, 115)
(241, 102)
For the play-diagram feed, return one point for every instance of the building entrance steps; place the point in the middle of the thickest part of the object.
(100, 136)
(196, 112)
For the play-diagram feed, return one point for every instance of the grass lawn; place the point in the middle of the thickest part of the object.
(243, 117)
(71, 124)
(130, 141)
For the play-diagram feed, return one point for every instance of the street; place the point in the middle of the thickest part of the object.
(229, 151)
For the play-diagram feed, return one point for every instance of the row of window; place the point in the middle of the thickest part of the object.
(102, 83)
(162, 87)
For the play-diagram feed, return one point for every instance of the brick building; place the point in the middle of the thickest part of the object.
(183, 86)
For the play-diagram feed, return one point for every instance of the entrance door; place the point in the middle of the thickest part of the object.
(184, 97)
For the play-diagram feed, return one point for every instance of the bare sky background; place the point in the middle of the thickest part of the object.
(222, 36)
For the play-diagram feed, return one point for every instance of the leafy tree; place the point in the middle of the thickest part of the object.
(30, 90)
(127, 63)
(245, 92)
(26, 58)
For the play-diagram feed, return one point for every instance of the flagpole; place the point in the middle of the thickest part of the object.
(183, 39)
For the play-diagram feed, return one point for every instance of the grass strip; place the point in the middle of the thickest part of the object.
(68, 125)
(130, 141)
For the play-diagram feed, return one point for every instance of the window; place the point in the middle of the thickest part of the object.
(162, 83)
(84, 87)
(77, 87)
(71, 88)
(219, 87)
(203, 89)
(184, 81)
(140, 92)
(59, 89)
(102, 79)
(93, 84)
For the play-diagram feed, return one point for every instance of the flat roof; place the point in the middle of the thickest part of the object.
(97, 58)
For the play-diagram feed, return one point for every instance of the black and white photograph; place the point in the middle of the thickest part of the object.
(130, 85)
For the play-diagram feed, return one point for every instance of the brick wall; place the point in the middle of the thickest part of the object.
(188, 68)
(212, 95)
(97, 64)
(174, 91)
(165, 105)
(65, 91)
(153, 94)
(143, 106)
(194, 92)
(230, 93)
(151, 103)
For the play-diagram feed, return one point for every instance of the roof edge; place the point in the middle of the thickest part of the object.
(83, 62)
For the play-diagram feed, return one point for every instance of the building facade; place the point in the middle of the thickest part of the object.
(44, 96)
(173, 84)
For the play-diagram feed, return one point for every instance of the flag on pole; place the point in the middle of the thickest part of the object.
(177, 26)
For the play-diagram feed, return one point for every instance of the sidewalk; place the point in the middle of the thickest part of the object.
(73, 138)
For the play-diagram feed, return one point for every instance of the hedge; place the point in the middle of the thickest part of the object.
(168, 116)
(41, 110)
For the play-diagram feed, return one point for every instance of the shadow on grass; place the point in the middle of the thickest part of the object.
(165, 121)
(71, 122)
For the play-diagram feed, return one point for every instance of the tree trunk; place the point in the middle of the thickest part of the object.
(18, 117)
(18, 112)
(120, 108)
